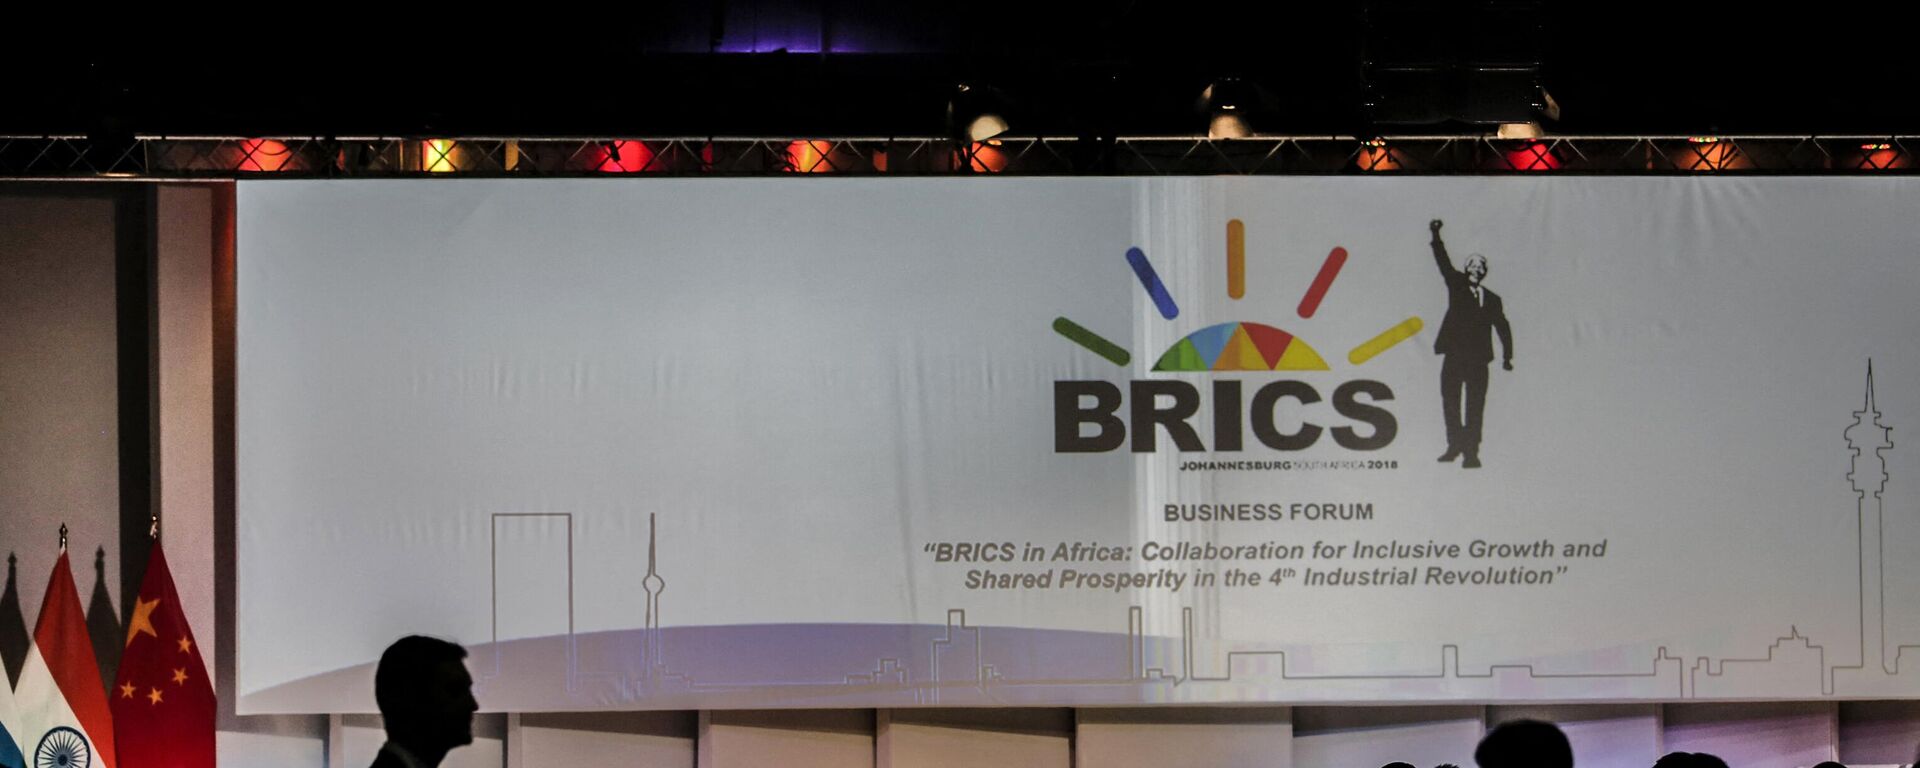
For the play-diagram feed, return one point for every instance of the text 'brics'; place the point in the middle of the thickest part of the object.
(1156, 405)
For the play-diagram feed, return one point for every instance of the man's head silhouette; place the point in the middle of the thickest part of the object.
(1689, 760)
(425, 696)
(1476, 268)
(1525, 744)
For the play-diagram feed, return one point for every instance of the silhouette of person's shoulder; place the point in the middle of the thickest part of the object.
(387, 760)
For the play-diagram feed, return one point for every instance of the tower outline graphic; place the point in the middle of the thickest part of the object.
(1867, 441)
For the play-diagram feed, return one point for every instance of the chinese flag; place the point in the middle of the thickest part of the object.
(162, 701)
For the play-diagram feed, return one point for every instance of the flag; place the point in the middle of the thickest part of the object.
(9, 727)
(63, 710)
(162, 699)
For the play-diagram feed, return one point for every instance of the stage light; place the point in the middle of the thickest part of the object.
(1228, 125)
(1880, 156)
(1231, 106)
(262, 156)
(984, 157)
(977, 113)
(1519, 131)
(809, 157)
(436, 156)
(986, 126)
(1375, 155)
(624, 157)
(1709, 153)
(1533, 156)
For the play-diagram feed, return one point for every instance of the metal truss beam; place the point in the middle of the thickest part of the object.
(170, 158)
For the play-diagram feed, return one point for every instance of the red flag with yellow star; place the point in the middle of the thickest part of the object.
(162, 700)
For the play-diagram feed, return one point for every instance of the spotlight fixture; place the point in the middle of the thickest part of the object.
(977, 113)
(1519, 131)
(1228, 125)
(1232, 106)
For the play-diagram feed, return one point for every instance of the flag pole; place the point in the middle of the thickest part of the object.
(153, 526)
(63, 538)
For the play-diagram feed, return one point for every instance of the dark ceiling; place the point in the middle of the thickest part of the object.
(874, 68)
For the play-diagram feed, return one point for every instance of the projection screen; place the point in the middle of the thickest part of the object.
(703, 443)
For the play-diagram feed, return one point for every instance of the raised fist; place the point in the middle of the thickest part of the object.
(1434, 226)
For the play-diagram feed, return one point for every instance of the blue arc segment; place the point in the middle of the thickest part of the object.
(1150, 280)
(1209, 341)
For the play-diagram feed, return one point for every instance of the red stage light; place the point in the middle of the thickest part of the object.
(1533, 156)
(1882, 156)
(987, 157)
(263, 156)
(809, 157)
(623, 157)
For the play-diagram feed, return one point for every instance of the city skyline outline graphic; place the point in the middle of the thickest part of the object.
(964, 660)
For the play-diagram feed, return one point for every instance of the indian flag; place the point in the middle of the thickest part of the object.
(64, 721)
(9, 727)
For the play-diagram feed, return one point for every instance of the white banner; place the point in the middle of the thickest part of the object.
(899, 442)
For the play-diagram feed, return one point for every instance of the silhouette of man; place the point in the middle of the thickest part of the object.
(426, 697)
(1524, 744)
(1689, 760)
(1465, 345)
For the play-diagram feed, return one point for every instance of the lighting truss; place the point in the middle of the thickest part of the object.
(74, 157)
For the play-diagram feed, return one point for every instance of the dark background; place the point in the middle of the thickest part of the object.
(875, 68)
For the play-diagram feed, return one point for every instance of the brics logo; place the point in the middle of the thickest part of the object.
(1171, 405)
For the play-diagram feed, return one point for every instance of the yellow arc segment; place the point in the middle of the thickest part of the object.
(1381, 343)
(1300, 357)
